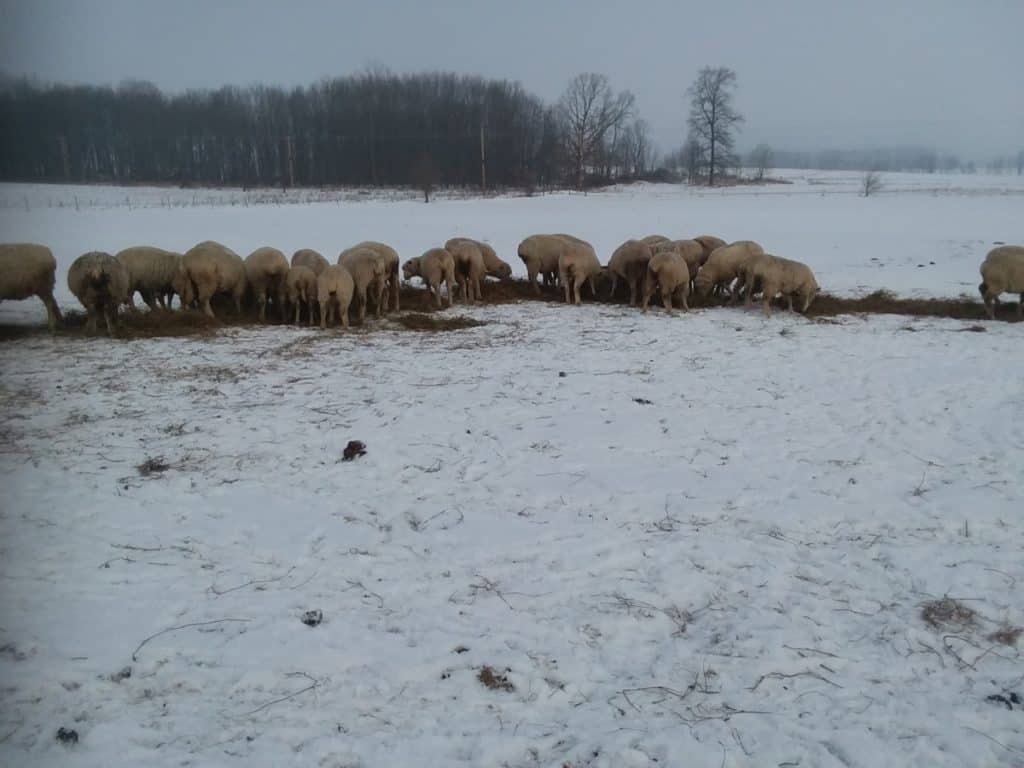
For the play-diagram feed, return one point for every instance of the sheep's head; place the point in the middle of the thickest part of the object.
(983, 289)
(503, 271)
(411, 268)
(182, 285)
(703, 283)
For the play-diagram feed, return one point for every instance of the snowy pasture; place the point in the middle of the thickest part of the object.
(579, 536)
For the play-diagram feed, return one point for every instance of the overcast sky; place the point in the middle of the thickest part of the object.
(811, 73)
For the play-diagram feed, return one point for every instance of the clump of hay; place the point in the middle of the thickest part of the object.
(153, 465)
(415, 321)
(1006, 635)
(948, 613)
(496, 681)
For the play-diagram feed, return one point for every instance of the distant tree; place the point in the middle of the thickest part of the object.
(761, 159)
(871, 183)
(712, 118)
(1020, 162)
(590, 110)
(425, 175)
(692, 158)
(636, 148)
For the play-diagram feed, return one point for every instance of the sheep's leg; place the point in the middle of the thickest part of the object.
(567, 286)
(685, 300)
(323, 315)
(632, 293)
(362, 307)
(207, 309)
(448, 283)
(52, 310)
(578, 286)
(479, 289)
(789, 301)
(767, 301)
(343, 315)
(531, 276)
(615, 283)
(110, 316)
(666, 299)
(90, 320)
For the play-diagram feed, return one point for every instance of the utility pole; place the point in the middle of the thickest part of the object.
(483, 160)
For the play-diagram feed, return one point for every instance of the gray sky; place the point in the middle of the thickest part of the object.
(811, 73)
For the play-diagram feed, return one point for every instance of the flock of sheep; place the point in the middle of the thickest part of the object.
(369, 273)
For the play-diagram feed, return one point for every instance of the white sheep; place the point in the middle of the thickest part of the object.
(775, 276)
(301, 290)
(629, 262)
(709, 243)
(207, 269)
(667, 272)
(469, 268)
(388, 257)
(539, 253)
(369, 277)
(578, 264)
(653, 240)
(334, 288)
(266, 269)
(495, 266)
(151, 272)
(307, 257)
(691, 250)
(1002, 272)
(434, 267)
(724, 265)
(100, 282)
(27, 269)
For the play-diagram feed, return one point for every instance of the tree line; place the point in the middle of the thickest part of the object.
(370, 128)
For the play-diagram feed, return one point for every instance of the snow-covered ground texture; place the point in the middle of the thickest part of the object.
(923, 235)
(702, 540)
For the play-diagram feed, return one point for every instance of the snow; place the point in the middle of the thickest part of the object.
(694, 540)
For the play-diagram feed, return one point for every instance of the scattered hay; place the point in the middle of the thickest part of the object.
(153, 465)
(415, 321)
(948, 613)
(1006, 635)
(354, 449)
(887, 303)
(494, 680)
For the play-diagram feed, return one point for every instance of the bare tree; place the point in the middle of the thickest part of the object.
(761, 159)
(712, 116)
(590, 109)
(636, 148)
(871, 183)
(693, 158)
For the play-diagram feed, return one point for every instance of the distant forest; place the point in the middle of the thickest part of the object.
(373, 128)
(377, 128)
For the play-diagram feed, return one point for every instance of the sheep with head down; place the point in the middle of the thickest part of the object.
(539, 254)
(301, 291)
(100, 282)
(307, 257)
(774, 276)
(266, 269)
(151, 272)
(493, 266)
(335, 287)
(653, 240)
(691, 251)
(27, 269)
(724, 266)
(206, 270)
(629, 263)
(434, 267)
(469, 268)
(388, 258)
(669, 274)
(369, 277)
(577, 264)
(1002, 272)
(709, 243)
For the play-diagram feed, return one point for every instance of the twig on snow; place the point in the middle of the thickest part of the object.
(289, 697)
(135, 653)
(785, 676)
(213, 587)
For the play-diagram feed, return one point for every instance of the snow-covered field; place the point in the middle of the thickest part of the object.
(701, 540)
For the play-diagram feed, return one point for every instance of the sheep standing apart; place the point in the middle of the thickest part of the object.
(629, 262)
(469, 269)
(101, 283)
(709, 243)
(266, 269)
(494, 266)
(388, 257)
(668, 272)
(576, 265)
(334, 289)
(724, 265)
(301, 289)
(434, 267)
(539, 253)
(1002, 272)
(207, 269)
(151, 272)
(307, 257)
(776, 275)
(369, 277)
(27, 269)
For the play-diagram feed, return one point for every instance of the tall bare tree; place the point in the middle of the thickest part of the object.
(590, 109)
(712, 116)
(692, 157)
